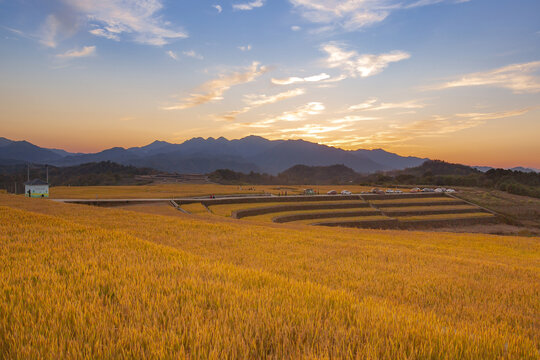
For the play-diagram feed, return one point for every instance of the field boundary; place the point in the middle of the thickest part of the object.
(324, 215)
(238, 214)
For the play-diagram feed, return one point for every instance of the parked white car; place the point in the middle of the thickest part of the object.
(346, 192)
(450, 190)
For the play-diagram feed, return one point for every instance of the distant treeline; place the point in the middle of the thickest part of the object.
(90, 174)
(431, 172)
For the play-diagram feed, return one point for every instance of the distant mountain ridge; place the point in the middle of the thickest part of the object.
(199, 155)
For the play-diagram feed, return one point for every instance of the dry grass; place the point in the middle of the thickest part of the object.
(446, 216)
(524, 209)
(84, 282)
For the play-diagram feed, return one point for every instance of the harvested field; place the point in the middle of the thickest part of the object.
(314, 214)
(391, 199)
(227, 209)
(433, 207)
(447, 216)
(405, 212)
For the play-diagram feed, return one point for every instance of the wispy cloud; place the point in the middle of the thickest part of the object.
(362, 65)
(104, 33)
(138, 18)
(218, 8)
(350, 15)
(172, 54)
(295, 79)
(249, 5)
(49, 31)
(192, 54)
(213, 90)
(301, 113)
(245, 47)
(434, 126)
(254, 101)
(349, 119)
(519, 78)
(296, 28)
(373, 104)
(76, 53)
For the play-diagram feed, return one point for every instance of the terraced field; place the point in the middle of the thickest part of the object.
(370, 211)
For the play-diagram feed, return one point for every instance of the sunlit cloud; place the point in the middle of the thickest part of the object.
(249, 5)
(435, 126)
(301, 113)
(349, 119)
(245, 47)
(138, 18)
(105, 34)
(519, 78)
(373, 104)
(296, 28)
(351, 15)
(254, 101)
(218, 8)
(192, 54)
(213, 90)
(362, 65)
(311, 129)
(294, 79)
(76, 53)
(172, 54)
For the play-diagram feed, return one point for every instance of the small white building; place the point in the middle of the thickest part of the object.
(36, 188)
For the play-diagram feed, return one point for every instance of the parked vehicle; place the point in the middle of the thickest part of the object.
(415, 190)
(377, 191)
(332, 192)
(309, 192)
(397, 191)
(389, 191)
(346, 192)
(428, 190)
(450, 190)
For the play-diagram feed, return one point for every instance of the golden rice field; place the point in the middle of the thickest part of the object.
(160, 191)
(196, 209)
(84, 282)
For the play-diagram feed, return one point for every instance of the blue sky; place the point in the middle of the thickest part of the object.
(449, 79)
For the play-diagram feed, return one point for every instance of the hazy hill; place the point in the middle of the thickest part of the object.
(198, 155)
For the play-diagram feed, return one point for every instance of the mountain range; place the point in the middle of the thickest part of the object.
(198, 155)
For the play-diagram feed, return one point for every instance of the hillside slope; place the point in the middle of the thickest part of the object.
(119, 283)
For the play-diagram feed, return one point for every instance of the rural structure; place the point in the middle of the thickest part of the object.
(36, 188)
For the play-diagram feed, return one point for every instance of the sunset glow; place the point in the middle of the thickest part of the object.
(457, 80)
